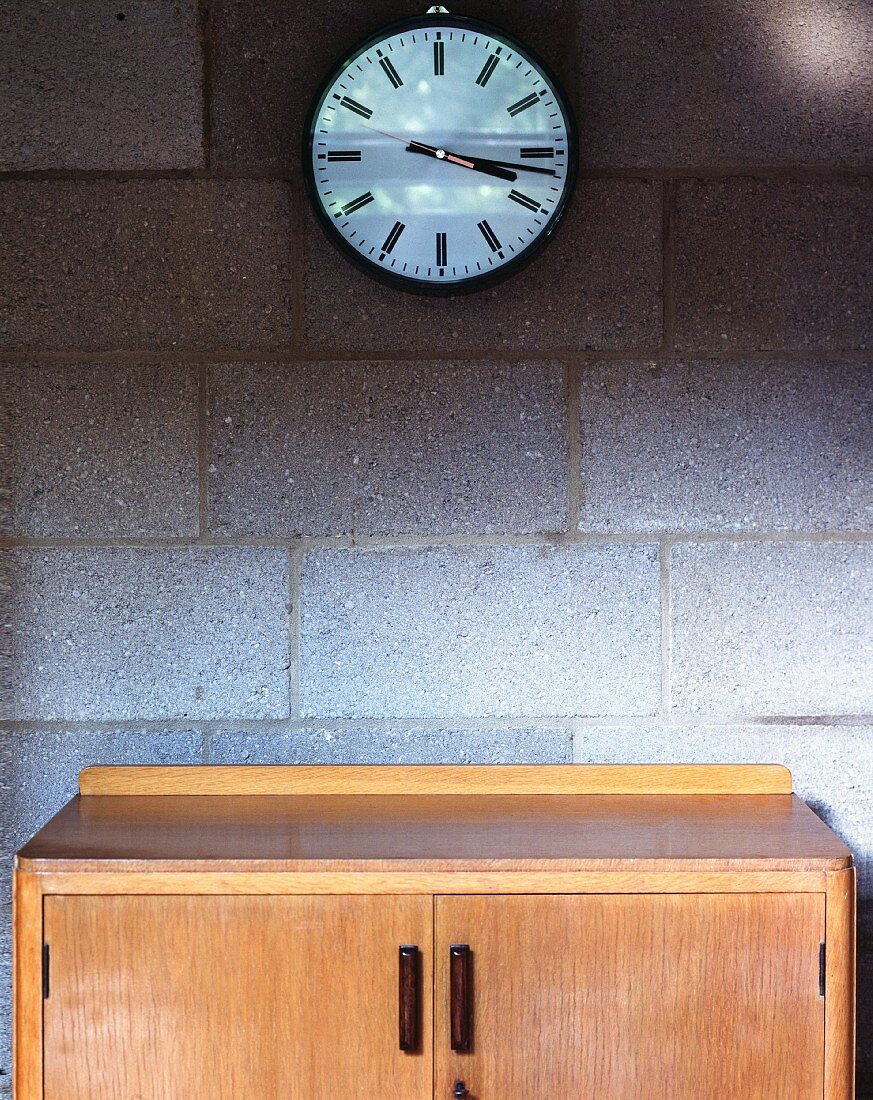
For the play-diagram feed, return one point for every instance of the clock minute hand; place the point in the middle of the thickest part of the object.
(414, 146)
(519, 167)
(486, 167)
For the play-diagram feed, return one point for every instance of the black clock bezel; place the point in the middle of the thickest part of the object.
(473, 283)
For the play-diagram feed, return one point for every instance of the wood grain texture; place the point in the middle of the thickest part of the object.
(636, 998)
(840, 987)
(439, 779)
(205, 997)
(27, 1039)
(644, 944)
(438, 882)
(437, 832)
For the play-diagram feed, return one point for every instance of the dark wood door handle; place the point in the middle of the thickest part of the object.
(410, 982)
(460, 984)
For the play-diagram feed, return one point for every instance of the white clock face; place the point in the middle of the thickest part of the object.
(440, 155)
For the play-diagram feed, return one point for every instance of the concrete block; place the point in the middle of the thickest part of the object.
(95, 264)
(102, 451)
(106, 633)
(726, 446)
(770, 264)
(596, 285)
(771, 628)
(481, 631)
(388, 745)
(384, 448)
(90, 84)
(755, 82)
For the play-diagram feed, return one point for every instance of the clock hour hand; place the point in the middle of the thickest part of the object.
(487, 167)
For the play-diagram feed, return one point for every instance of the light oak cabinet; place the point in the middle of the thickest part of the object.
(546, 933)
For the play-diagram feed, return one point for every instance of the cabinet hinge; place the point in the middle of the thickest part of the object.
(46, 963)
(822, 967)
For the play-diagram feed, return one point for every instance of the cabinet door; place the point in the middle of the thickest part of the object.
(244, 998)
(634, 997)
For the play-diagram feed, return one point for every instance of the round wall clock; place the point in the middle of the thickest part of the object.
(440, 154)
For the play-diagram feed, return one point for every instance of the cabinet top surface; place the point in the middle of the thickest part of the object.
(537, 779)
(330, 832)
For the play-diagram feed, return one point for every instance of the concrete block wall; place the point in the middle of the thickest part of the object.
(256, 507)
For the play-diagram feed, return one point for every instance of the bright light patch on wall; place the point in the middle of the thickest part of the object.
(826, 42)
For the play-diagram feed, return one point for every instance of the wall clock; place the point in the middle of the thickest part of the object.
(440, 154)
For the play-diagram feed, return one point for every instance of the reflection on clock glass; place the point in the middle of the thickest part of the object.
(440, 153)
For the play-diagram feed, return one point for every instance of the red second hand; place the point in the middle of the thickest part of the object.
(422, 145)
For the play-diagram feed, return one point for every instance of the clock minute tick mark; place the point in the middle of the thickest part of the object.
(391, 72)
(491, 237)
(353, 105)
(524, 200)
(524, 104)
(439, 58)
(487, 70)
(355, 204)
(392, 239)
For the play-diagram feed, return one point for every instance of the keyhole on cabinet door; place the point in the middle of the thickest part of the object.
(460, 1090)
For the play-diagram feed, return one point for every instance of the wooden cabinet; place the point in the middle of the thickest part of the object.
(546, 933)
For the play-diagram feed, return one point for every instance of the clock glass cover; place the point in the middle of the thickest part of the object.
(440, 155)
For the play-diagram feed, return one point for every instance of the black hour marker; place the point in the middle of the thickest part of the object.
(524, 200)
(441, 251)
(523, 104)
(487, 69)
(343, 154)
(490, 236)
(355, 204)
(390, 72)
(535, 151)
(439, 59)
(353, 105)
(392, 238)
